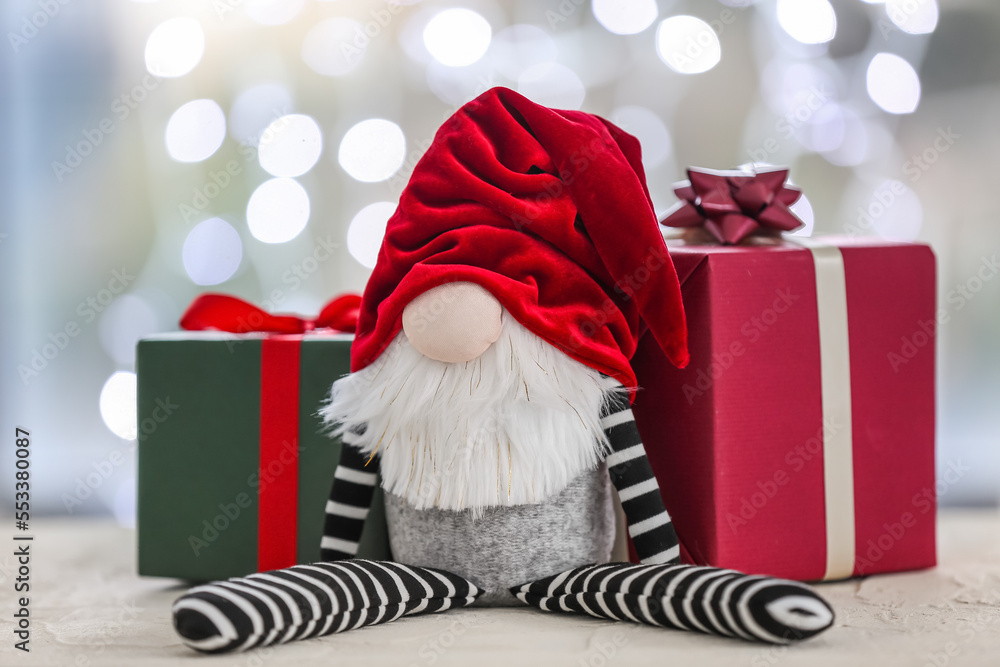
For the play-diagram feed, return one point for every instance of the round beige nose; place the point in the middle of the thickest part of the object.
(454, 322)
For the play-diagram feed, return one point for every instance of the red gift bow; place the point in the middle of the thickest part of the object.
(277, 501)
(229, 313)
(734, 204)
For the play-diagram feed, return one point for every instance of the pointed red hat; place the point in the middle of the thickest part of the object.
(549, 211)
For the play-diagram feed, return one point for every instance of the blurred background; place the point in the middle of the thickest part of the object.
(153, 150)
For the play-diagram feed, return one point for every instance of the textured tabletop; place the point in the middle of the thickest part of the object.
(89, 608)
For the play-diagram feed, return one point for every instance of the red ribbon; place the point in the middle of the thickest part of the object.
(734, 204)
(277, 493)
(229, 313)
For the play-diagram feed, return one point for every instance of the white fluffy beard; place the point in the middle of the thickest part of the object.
(511, 427)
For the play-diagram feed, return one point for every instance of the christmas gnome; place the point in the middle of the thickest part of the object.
(489, 395)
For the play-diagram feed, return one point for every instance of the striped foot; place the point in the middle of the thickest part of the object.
(686, 597)
(307, 601)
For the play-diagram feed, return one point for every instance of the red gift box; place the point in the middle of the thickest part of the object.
(799, 441)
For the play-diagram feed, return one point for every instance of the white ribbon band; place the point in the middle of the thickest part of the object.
(835, 374)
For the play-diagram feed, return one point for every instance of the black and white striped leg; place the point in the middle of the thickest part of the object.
(308, 601)
(351, 495)
(649, 525)
(686, 597)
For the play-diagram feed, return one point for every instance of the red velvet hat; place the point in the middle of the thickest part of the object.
(549, 211)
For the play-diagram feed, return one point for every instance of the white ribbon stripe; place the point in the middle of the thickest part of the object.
(835, 373)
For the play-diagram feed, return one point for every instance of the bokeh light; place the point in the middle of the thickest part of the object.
(518, 47)
(212, 252)
(123, 323)
(175, 47)
(688, 45)
(124, 505)
(335, 47)
(457, 85)
(411, 35)
(824, 130)
(364, 236)
(552, 85)
(373, 150)
(195, 131)
(118, 404)
(290, 146)
(256, 108)
(278, 210)
(917, 17)
(853, 148)
(893, 84)
(457, 37)
(272, 12)
(796, 90)
(808, 21)
(649, 129)
(625, 17)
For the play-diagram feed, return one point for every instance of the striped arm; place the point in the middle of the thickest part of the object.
(350, 499)
(308, 601)
(649, 525)
(686, 597)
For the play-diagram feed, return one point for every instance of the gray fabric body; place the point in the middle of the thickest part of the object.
(509, 546)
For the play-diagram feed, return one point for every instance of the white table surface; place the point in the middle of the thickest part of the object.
(89, 608)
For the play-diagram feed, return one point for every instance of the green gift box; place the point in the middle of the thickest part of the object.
(235, 464)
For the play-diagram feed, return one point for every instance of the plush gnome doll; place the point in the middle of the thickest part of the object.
(489, 396)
